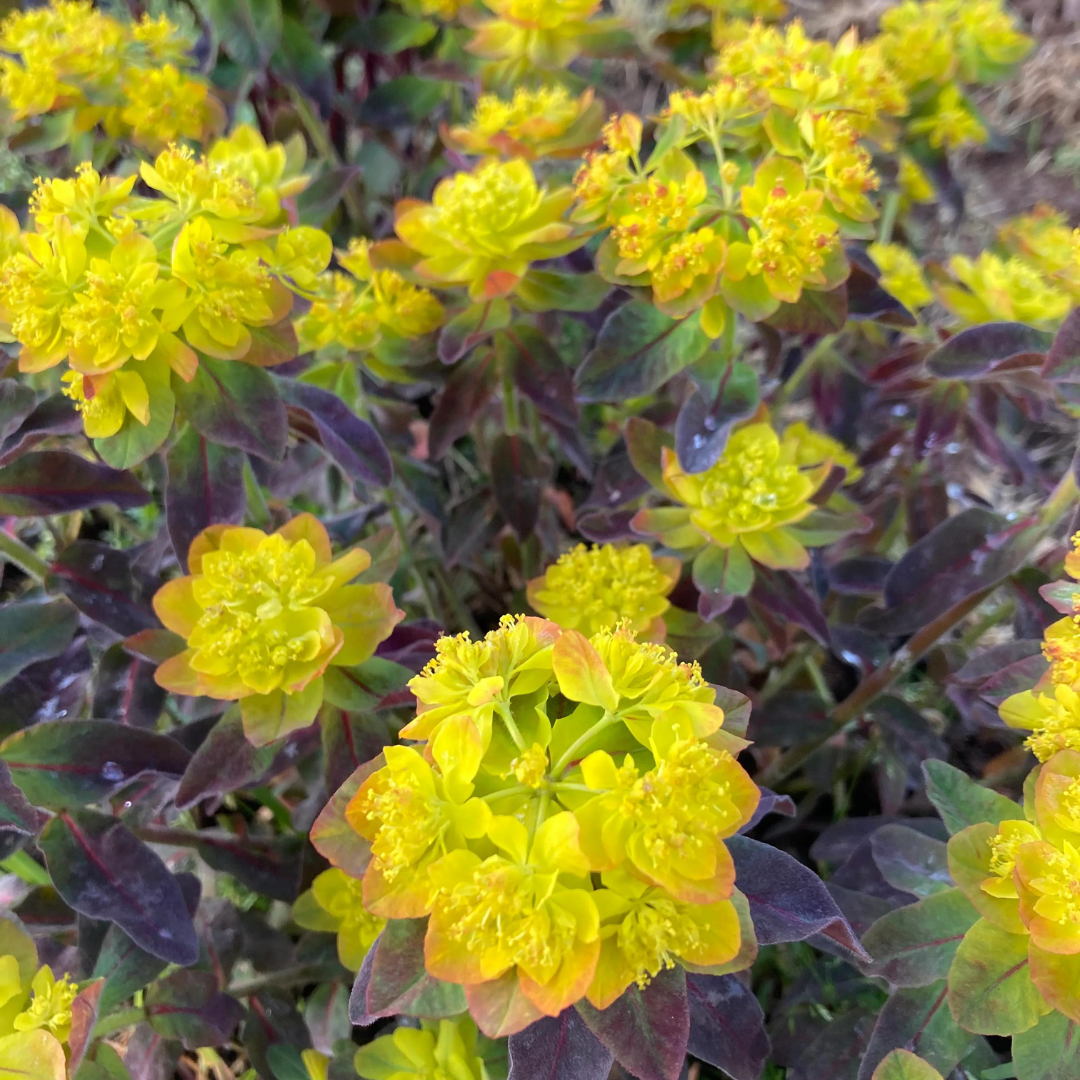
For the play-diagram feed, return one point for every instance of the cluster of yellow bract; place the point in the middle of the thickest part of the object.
(366, 310)
(129, 77)
(541, 122)
(35, 1009)
(264, 616)
(752, 499)
(562, 824)
(1023, 875)
(439, 1050)
(128, 289)
(590, 589)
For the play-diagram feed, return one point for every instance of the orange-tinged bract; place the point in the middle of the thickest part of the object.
(263, 616)
(539, 863)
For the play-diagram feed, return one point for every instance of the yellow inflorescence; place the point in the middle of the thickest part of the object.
(129, 76)
(901, 275)
(439, 1050)
(1000, 289)
(50, 1006)
(263, 616)
(335, 903)
(505, 877)
(483, 229)
(1054, 719)
(129, 289)
(589, 589)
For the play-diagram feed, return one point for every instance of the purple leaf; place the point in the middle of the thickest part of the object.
(352, 443)
(646, 1030)
(977, 350)
(517, 475)
(727, 1025)
(788, 901)
(47, 690)
(558, 1048)
(188, 1006)
(815, 313)
(55, 415)
(103, 584)
(267, 865)
(539, 372)
(104, 871)
(702, 429)
(783, 594)
(32, 631)
(205, 487)
(18, 819)
(235, 404)
(462, 399)
(69, 763)
(125, 691)
(469, 327)
(56, 482)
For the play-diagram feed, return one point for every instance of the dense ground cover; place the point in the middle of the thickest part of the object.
(539, 541)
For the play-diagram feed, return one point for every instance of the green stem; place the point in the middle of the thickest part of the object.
(117, 1021)
(461, 612)
(14, 550)
(23, 866)
(508, 719)
(888, 216)
(540, 815)
(511, 417)
(256, 500)
(293, 976)
(603, 723)
(406, 546)
(506, 793)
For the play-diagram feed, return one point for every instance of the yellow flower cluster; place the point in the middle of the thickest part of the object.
(130, 77)
(750, 500)
(483, 228)
(439, 1050)
(901, 275)
(264, 616)
(530, 36)
(535, 123)
(591, 589)
(130, 290)
(366, 310)
(334, 904)
(539, 858)
(35, 1009)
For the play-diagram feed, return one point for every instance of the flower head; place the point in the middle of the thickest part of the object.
(535, 123)
(484, 228)
(951, 122)
(901, 275)
(545, 34)
(50, 1006)
(808, 448)
(164, 103)
(264, 615)
(335, 904)
(750, 497)
(1057, 797)
(1054, 719)
(589, 589)
(273, 170)
(439, 1050)
(1048, 883)
(1004, 846)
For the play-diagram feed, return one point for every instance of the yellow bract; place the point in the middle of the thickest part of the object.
(1003, 290)
(589, 589)
(263, 616)
(901, 275)
(1054, 719)
(483, 229)
(439, 1050)
(126, 75)
(334, 903)
(750, 498)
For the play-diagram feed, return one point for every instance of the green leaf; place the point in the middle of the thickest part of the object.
(637, 351)
(399, 982)
(644, 443)
(904, 1065)
(962, 802)
(249, 30)
(135, 442)
(915, 945)
(408, 99)
(361, 688)
(1048, 1051)
(911, 860)
(32, 1055)
(33, 630)
(391, 32)
(724, 571)
(471, 326)
(550, 290)
(990, 987)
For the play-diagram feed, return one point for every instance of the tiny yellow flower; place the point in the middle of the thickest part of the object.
(901, 275)
(808, 448)
(589, 589)
(749, 498)
(1048, 883)
(1004, 846)
(483, 229)
(650, 214)
(105, 400)
(164, 103)
(50, 1007)
(264, 615)
(1053, 719)
(335, 904)
(1003, 290)
(273, 171)
(543, 33)
(951, 123)
(535, 123)
(1061, 647)
(439, 1050)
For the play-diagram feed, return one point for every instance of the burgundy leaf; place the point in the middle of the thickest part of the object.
(125, 690)
(727, 1025)
(104, 871)
(463, 397)
(55, 415)
(188, 1006)
(56, 482)
(103, 584)
(517, 478)
(558, 1048)
(977, 350)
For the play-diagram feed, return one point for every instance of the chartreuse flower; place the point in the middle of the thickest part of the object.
(365, 309)
(35, 1008)
(439, 1050)
(413, 815)
(1048, 883)
(590, 589)
(528, 909)
(483, 228)
(1057, 797)
(496, 828)
(264, 615)
(535, 34)
(1053, 718)
(809, 448)
(130, 290)
(128, 75)
(334, 904)
(535, 123)
(901, 275)
(748, 502)
(951, 122)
